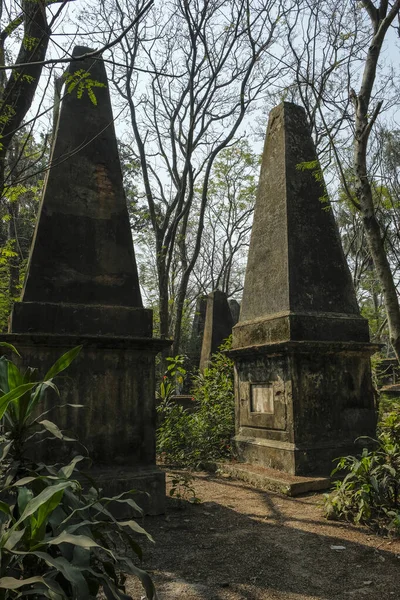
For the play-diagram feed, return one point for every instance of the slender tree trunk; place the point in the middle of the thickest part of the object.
(363, 125)
(15, 261)
(164, 308)
(180, 305)
(382, 266)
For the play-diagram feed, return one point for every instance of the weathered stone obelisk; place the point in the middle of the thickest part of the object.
(82, 288)
(301, 349)
(218, 326)
(196, 338)
(235, 310)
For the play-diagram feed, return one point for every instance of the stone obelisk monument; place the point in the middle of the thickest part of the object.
(82, 288)
(301, 349)
(196, 338)
(218, 326)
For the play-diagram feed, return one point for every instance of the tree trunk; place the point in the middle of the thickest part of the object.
(364, 121)
(15, 261)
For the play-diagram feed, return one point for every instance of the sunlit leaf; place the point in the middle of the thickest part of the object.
(62, 363)
(13, 395)
(10, 347)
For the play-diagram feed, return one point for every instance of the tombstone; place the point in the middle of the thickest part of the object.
(199, 321)
(82, 288)
(218, 326)
(235, 310)
(301, 349)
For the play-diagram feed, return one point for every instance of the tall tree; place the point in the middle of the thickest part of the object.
(381, 18)
(25, 32)
(26, 161)
(27, 36)
(227, 222)
(208, 62)
(337, 57)
(17, 90)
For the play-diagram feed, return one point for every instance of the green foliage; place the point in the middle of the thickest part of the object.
(227, 221)
(386, 199)
(182, 487)
(390, 419)
(82, 82)
(173, 378)
(21, 394)
(18, 214)
(30, 43)
(7, 252)
(191, 439)
(369, 493)
(315, 168)
(6, 113)
(56, 540)
(18, 76)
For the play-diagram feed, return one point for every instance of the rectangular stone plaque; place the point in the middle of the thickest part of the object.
(262, 398)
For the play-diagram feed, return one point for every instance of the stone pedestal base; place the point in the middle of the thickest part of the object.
(113, 379)
(315, 461)
(84, 319)
(299, 405)
(149, 483)
(273, 480)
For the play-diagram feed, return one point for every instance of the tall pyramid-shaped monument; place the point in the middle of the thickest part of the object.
(82, 288)
(82, 276)
(301, 348)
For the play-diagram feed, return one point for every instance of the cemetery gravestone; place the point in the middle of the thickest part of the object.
(235, 310)
(218, 326)
(301, 349)
(82, 288)
(196, 339)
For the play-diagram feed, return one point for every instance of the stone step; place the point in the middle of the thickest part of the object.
(272, 480)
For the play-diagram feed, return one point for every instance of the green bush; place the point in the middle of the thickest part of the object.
(22, 394)
(369, 493)
(190, 439)
(173, 378)
(56, 541)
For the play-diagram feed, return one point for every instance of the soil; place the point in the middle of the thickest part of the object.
(240, 543)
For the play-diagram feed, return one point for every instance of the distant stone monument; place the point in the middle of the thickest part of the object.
(218, 326)
(301, 349)
(82, 288)
(196, 338)
(235, 310)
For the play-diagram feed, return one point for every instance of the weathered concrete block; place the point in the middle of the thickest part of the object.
(113, 378)
(273, 480)
(81, 319)
(315, 397)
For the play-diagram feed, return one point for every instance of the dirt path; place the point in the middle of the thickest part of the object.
(242, 543)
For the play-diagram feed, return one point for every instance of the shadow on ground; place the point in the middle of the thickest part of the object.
(242, 543)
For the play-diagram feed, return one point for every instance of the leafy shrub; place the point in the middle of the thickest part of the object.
(389, 411)
(22, 393)
(182, 487)
(191, 439)
(56, 541)
(173, 378)
(369, 493)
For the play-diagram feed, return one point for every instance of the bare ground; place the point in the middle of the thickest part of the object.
(243, 543)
